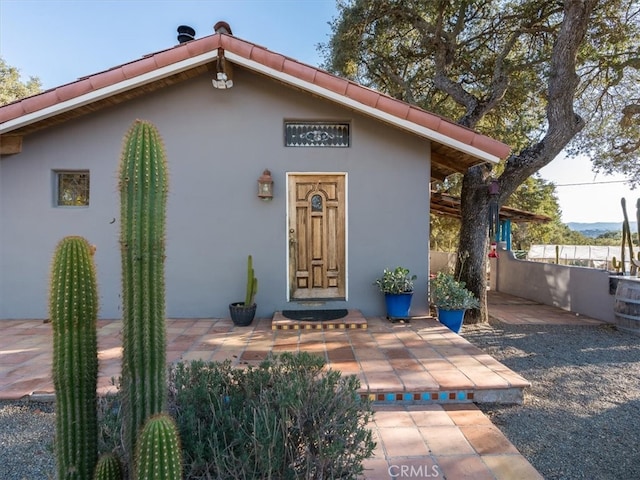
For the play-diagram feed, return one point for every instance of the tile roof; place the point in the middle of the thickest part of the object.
(179, 62)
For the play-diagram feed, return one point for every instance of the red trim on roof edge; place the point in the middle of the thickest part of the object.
(263, 56)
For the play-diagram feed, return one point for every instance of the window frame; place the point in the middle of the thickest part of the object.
(83, 186)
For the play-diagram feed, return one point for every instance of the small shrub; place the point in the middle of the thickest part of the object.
(285, 419)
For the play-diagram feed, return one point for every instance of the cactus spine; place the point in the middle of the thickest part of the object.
(158, 454)
(143, 195)
(73, 307)
(252, 283)
(108, 468)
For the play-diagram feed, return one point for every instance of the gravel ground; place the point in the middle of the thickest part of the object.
(26, 441)
(581, 417)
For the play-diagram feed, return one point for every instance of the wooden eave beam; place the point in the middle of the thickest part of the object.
(10, 144)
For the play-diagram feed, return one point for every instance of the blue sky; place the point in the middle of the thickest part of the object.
(60, 41)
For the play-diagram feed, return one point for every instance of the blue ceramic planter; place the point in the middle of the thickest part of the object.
(398, 304)
(452, 319)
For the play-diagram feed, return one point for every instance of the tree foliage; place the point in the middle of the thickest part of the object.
(510, 69)
(12, 88)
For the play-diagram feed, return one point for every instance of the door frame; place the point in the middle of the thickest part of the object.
(346, 236)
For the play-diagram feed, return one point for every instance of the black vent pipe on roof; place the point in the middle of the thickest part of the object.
(185, 33)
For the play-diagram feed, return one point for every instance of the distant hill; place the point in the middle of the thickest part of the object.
(596, 229)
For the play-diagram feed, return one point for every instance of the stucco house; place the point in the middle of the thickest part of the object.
(351, 169)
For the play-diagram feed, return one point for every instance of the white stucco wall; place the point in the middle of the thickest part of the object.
(576, 289)
(218, 142)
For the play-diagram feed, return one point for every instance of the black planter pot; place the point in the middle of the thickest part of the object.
(242, 316)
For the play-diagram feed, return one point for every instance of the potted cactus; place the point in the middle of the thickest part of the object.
(242, 313)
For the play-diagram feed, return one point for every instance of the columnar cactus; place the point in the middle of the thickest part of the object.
(108, 468)
(158, 454)
(73, 308)
(252, 284)
(143, 195)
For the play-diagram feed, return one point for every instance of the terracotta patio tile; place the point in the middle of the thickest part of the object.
(488, 439)
(446, 440)
(423, 467)
(378, 382)
(465, 466)
(376, 366)
(418, 381)
(402, 441)
(197, 355)
(466, 415)
(508, 467)
(394, 417)
(451, 379)
(430, 416)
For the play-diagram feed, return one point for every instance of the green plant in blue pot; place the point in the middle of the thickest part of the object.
(452, 299)
(397, 286)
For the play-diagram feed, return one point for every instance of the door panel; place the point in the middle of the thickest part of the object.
(317, 236)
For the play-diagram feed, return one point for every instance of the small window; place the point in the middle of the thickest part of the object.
(72, 188)
(316, 134)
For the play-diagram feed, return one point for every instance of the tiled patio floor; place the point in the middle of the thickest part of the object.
(422, 377)
(419, 362)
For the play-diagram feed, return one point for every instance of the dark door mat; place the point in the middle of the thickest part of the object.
(315, 315)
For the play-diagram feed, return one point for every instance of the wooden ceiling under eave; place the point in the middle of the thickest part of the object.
(448, 205)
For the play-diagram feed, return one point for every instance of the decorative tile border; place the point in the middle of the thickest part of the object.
(353, 321)
(395, 398)
(318, 326)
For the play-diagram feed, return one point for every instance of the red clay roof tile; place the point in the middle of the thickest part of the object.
(393, 107)
(201, 46)
(362, 95)
(238, 47)
(142, 66)
(11, 111)
(263, 56)
(426, 119)
(107, 78)
(72, 90)
(173, 55)
(331, 82)
(299, 70)
(39, 102)
(456, 132)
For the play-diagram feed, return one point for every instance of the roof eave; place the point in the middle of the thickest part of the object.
(362, 108)
(211, 54)
(108, 91)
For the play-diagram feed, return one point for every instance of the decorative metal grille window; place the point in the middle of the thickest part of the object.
(72, 189)
(316, 134)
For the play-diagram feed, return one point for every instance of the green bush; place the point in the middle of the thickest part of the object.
(285, 419)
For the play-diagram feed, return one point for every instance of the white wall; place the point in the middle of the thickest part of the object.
(576, 289)
(441, 261)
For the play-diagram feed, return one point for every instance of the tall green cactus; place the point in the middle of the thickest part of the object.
(143, 195)
(108, 468)
(73, 307)
(158, 453)
(252, 284)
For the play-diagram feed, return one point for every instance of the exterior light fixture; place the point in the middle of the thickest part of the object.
(223, 76)
(265, 186)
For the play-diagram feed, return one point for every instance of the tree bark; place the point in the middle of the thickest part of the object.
(563, 124)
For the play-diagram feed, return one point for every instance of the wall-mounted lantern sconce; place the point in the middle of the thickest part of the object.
(223, 76)
(265, 186)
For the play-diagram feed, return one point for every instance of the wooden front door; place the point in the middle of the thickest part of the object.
(316, 236)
